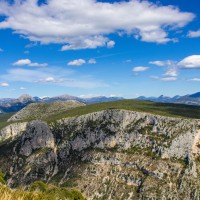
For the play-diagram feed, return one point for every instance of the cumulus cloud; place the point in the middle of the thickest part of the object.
(88, 23)
(28, 62)
(4, 84)
(140, 69)
(190, 62)
(171, 71)
(92, 61)
(77, 62)
(22, 62)
(194, 34)
(111, 44)
(91, 42)
(171, 67)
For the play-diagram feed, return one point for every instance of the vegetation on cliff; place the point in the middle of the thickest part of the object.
(37, 191)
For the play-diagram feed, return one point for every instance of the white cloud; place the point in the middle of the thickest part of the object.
(77, 62)
(162, 63)
(158, 35)
(171, 71)
(38, 64)
(33, 75)
(31, 45)
(190, 62)
(172, 68)
(51, 80)
(194, 34)
(168, 79)
(56, 76)
(88, 23)
(4, 84)
(140, 69)
(157, 63)
(92, 61)
(28, 62)
(194, 79)
(85, 43)
(1, 50)
(111, 44)
(22, 88)
(22, 62)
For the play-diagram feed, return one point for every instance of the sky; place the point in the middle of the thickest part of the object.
(93, 48)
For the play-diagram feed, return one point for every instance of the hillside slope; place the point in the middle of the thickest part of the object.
(111, 154)
(44, 110)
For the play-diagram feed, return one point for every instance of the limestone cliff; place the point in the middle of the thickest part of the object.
(112, 154)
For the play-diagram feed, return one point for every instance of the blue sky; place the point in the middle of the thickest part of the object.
(92, 48)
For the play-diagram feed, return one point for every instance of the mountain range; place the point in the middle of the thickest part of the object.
(8, 105)
(190, 99)
(15, 104)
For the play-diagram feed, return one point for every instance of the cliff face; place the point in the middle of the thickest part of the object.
(113, 154)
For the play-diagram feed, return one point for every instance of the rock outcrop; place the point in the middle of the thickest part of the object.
(37, 136)
(12, 131)
(112, 154)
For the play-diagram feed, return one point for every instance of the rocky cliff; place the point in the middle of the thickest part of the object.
(112, 154)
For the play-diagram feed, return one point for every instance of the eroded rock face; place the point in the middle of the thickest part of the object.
(37, 136)
(111, 154)
(12, 131)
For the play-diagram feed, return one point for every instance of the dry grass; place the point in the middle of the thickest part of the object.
(50, 193)
(8, 194)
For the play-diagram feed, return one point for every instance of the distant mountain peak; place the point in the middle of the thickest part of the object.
(195, 95)
(25, 98)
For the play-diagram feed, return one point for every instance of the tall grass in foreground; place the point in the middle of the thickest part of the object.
(38, 191)
(8, 194)
(52, 193)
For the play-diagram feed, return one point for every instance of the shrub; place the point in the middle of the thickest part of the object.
(2, 180)
(38, 186)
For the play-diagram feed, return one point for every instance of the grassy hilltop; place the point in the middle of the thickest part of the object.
(165, 109)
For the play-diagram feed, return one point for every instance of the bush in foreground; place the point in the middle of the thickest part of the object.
(39, 191)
